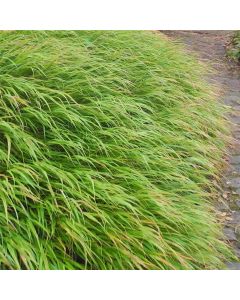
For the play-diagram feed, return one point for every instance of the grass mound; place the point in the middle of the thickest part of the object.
(108, 143)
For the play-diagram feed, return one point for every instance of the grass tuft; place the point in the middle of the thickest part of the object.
(233, 50)
(109, 146)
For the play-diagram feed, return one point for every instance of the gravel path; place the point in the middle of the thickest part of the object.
(210, 46)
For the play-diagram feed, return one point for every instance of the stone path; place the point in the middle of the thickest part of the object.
(210, 47)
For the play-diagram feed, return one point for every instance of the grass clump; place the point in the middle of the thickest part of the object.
(233, 50)
(109, 145)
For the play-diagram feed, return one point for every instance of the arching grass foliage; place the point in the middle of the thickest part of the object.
(109, 144)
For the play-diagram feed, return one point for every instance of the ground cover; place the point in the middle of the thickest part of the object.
(109, 146)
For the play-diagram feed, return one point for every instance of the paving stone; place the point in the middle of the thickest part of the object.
(233, 266)
(237, 231)
(231, 100)
(230, 234)
(234, 183)
(235, 160)
(235, 218)
(237, 251)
